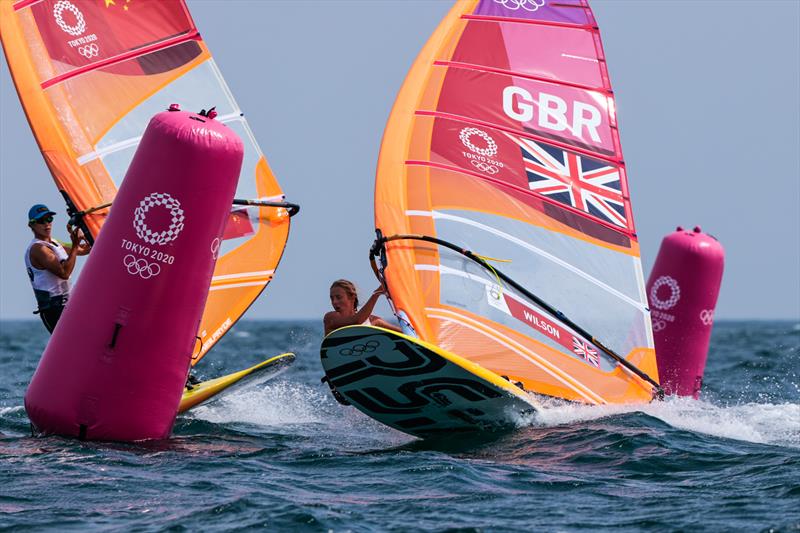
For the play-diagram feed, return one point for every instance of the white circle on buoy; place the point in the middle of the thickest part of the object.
(674, 296)
(140, 219)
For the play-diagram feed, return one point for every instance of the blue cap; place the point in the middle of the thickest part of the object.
(38, 211)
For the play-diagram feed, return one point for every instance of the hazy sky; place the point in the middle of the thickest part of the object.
(708, 99)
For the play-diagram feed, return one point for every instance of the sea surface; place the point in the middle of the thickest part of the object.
(286, 457)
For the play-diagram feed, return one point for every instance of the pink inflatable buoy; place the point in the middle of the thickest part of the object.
(682, 290)
(116, 365)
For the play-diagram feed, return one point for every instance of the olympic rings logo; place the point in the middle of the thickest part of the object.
(659, 325)
(707, 316)
(141, 267)
(89, 51)
(360, 349)
(527, 5)
(491, 146)
(158, 237)
(674, 296)
(58, 14)
(484, 167)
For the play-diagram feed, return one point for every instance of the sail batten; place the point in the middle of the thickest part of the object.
(111, 61)
(529, 21)
(538, 251)
(481, 68)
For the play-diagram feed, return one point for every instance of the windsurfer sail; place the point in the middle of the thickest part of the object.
(503, 142)
(90, 74)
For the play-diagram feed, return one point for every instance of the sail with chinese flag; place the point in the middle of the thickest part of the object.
(502, 204)
(90, 74)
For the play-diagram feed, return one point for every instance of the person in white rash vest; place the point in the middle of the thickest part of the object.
(50, 264)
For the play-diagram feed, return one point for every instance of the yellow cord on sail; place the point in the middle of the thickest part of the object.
(486, 259)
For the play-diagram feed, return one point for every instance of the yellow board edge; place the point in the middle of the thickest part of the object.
(208, 389)
(469, 366)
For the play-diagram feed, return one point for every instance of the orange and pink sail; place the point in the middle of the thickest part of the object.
(90, 74)
(503, 141)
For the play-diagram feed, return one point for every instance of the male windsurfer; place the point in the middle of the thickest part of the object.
(50, 264)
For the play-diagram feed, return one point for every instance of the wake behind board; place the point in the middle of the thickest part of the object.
(219, 387)
(416, 387)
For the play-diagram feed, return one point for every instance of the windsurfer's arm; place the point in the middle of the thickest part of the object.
(335, 320)
(44, 258)
(381, 323)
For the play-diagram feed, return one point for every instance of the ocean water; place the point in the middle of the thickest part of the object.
(286, 457)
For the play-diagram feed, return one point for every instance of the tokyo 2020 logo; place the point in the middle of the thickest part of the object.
(674, 293)
(491, 146)
(157, 199)
(58, 13)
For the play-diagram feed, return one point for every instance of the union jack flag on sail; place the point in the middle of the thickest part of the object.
(585, 352)
(587, 184)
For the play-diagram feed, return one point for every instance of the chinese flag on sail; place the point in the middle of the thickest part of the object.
(238, 225)
(80, 33)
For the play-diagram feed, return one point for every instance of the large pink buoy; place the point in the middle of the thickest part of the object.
(683, 289)
(116, 365)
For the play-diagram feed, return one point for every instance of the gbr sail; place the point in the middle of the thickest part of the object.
(503, 141)
(90, 74)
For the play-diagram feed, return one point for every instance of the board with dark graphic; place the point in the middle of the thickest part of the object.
(416, 387)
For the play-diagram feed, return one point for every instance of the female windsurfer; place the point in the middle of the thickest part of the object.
(344, 300)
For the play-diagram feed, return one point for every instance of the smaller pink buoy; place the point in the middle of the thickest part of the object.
(683, 289)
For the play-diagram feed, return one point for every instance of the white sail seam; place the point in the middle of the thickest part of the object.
(530, 247)
(110, 149)
(460, 273)
(582, 58)
(455, 272)
(244, 275)
(235, 285)
(547, 367)
(133, 141)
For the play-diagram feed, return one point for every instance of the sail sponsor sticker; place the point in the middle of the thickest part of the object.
(576, 346)
(207, 343)
(537, 321)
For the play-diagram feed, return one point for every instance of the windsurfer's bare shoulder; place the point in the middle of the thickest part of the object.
(331, 320)
(41, 255)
